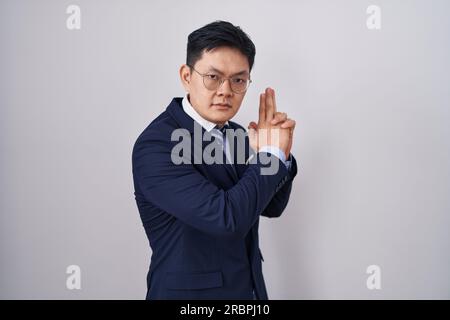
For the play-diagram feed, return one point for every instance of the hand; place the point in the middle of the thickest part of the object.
(270, 124)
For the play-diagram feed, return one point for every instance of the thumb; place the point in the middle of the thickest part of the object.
(253, 138)
(251, 133)
(253, 125)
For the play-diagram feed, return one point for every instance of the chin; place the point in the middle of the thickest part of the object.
(222, 117)
(220, 120)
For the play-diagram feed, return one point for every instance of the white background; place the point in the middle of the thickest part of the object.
(372, 141)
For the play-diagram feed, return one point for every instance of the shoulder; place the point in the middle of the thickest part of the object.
(157, 134)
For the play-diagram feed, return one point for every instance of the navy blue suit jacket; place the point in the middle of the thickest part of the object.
(202, 220)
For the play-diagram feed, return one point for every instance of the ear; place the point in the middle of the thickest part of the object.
(185, 76)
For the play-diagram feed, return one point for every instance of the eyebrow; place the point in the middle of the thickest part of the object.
(236, 74)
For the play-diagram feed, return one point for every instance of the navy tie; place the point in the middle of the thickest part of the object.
(224, 127)
(225, 142)
(223, 132)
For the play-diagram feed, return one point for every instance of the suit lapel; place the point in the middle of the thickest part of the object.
(197, 132)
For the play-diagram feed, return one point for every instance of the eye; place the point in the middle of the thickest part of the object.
(212, 76)
(238, 80)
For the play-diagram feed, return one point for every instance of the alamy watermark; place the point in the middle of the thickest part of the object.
(213, 152)
(73, 281)
(373, 282)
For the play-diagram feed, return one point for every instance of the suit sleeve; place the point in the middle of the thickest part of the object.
(183, 192)
(281, 198)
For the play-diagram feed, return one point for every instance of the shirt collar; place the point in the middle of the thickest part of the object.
(189, 109)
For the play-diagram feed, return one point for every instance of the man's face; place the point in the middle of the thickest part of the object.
(223, 62)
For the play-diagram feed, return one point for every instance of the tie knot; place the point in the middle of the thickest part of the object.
(224, 127)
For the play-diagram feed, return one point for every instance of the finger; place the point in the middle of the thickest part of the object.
(289, 123)
(279, 117)
(269, 105)
(262, 108)
(291, 139)
(291, 134)
(252, 125)
(252, 134)
(253, 138)
(274, 102)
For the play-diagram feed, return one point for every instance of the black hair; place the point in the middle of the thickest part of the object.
(217, 34)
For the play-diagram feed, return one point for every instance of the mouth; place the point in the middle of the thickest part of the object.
(221, 106)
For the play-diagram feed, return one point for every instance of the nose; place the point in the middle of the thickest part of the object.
(225, 88)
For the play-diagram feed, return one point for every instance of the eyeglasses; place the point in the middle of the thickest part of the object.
(213, 82)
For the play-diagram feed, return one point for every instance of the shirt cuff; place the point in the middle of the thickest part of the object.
(278, 153)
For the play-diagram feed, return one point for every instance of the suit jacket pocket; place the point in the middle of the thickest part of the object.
(190, 281)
